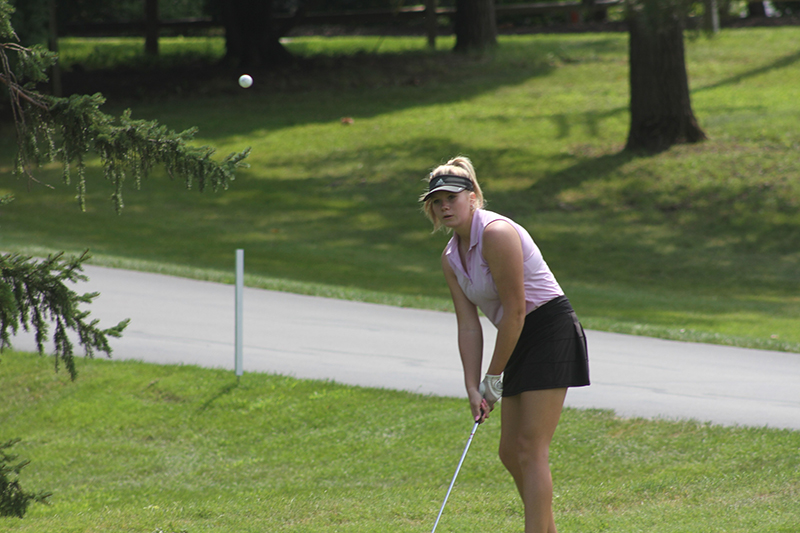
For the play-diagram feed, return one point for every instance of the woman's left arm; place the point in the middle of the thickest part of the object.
(502, 249)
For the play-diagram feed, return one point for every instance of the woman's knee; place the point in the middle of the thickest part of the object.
(508, 455)
(531, 452)
(523, 453)
(515, 453)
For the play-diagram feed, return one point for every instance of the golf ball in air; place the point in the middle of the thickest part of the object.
(245, 81)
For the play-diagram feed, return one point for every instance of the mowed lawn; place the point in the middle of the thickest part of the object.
(133, 447)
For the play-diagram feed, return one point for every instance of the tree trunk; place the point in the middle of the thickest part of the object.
(151, 31)
(711, 16)
(431, 23)
(251, 40)
(756, 10)
(475, 25)
(661, 110)
(52, 41)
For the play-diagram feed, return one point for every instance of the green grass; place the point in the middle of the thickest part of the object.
(696, 243)
(133, 447)
(104, 53)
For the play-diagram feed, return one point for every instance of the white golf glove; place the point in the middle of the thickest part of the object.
(491, 388)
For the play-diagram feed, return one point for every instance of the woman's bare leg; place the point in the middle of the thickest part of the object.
(529, 421)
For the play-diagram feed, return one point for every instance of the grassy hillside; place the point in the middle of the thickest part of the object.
(698, 243)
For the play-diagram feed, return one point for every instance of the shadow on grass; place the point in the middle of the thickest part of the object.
(778, 64)
(223, 391)
(375, 83)
(357, 222)
(689, 232)
(597, 168)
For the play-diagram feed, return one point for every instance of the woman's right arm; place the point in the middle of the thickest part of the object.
(470, 341)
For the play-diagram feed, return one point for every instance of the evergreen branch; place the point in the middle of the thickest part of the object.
(69, 129)
(35, 296)
(6, 31)
(14, 500)
(16, 90)
(16, 93)
(129, 147)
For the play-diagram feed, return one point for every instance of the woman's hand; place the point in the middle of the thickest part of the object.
(480, 407)
(491, 388)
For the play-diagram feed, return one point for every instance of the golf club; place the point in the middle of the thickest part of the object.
(463, 455)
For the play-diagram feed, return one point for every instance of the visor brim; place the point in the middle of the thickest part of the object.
(446, 188)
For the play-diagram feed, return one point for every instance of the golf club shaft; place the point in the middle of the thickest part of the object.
(463, 455)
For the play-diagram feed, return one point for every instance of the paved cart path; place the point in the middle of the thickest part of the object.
(176, 320)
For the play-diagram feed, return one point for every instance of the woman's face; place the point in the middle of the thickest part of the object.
(452, 209)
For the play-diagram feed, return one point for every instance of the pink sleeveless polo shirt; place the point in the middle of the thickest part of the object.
(476, 280)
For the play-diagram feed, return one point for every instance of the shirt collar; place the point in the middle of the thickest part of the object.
(474, 230)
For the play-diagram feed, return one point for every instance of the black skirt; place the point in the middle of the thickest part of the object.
(551, 352)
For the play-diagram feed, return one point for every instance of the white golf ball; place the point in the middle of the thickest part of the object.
(245, 81)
